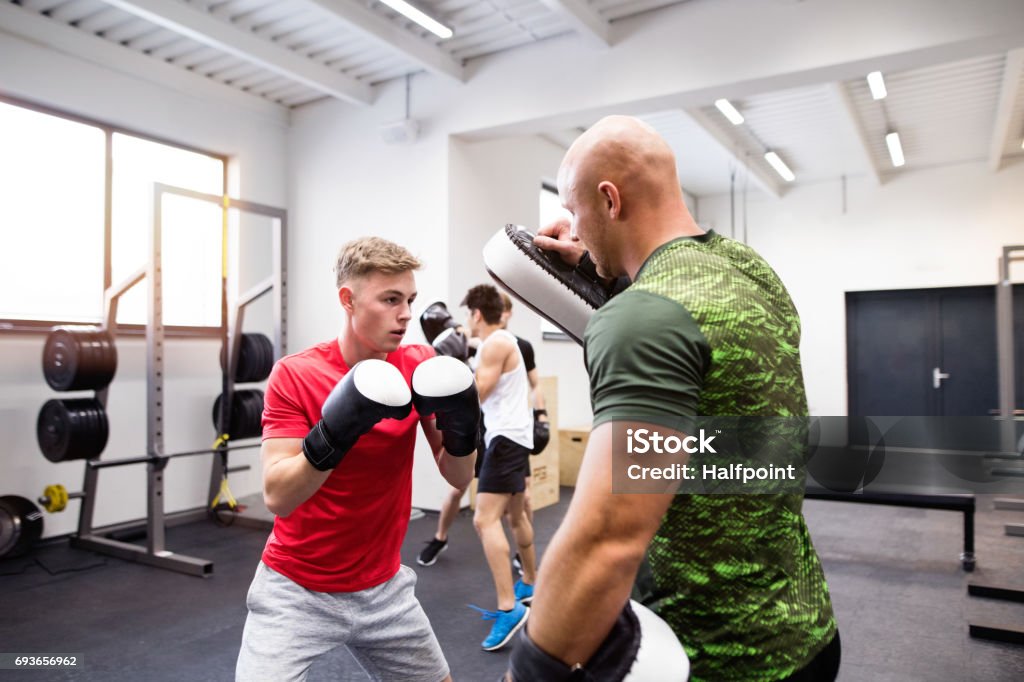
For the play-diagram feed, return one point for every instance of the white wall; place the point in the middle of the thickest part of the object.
(441, 197)
(344, 183)
(189, 112)
(932, 228)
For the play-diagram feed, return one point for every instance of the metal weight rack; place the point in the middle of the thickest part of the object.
(155, 552)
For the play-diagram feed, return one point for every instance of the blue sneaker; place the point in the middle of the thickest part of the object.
(506, 624)
(524, 592)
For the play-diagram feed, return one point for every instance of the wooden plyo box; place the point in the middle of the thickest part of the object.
(544, 468)
(571, 444)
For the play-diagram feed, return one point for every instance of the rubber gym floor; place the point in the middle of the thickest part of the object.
(897, 586)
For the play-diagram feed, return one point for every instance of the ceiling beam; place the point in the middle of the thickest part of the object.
(392, 36)
(757, 171)
(849, 111)
(1013, 73)
(584, 19)
(203, 28)
(29, 25)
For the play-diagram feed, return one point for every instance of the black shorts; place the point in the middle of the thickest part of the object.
(503, 467)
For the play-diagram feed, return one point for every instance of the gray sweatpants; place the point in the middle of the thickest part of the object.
(383, 627)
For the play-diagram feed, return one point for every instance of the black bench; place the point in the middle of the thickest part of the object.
(960, 503)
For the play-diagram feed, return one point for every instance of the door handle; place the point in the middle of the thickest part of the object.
(937, 377)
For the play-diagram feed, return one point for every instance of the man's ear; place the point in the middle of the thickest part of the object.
(345, 296)
(613, 202)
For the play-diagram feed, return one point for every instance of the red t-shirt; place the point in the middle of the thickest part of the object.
(348, 535)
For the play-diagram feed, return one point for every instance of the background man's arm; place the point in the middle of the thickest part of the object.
(538, 395)
(492, 361)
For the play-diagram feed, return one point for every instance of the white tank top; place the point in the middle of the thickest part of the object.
(507, 409)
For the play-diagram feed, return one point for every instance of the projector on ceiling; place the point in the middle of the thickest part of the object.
(400, 132)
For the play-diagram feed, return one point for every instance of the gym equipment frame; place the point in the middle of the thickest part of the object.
(155, 552)
(1007, 400)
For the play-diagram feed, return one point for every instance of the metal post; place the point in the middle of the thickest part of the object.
(111, 297)
(155, 382)
(1004, 348)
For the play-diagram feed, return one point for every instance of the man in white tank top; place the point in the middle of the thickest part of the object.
(508, 418)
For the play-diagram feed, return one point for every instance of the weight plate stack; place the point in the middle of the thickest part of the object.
(21, 525)
(72, 428)
(255, 359)
(246, 414)
(79, 358)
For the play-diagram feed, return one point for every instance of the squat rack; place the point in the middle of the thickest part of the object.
(155, 552)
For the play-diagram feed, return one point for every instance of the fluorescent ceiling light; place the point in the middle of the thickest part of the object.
(427, 22)
(892, 140)
(780, 166)
(729, 111)
(877, 85)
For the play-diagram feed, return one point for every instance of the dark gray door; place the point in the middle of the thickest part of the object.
(927, 352)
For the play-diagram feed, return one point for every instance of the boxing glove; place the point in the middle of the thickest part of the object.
(371, 391)
(435, 319)
(541, 432)
(444, 387)
(641, 647)
(453, 343)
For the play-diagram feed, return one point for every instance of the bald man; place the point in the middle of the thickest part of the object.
(705, 328)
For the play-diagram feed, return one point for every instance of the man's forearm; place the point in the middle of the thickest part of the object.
(458, 471)
(585, 580)
(589, 568)
(290, 481)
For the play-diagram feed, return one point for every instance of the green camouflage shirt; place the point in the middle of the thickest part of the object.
(708, 328)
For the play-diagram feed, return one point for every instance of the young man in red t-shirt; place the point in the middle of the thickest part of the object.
(339, 427)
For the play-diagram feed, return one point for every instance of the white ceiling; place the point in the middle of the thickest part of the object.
(293, 52)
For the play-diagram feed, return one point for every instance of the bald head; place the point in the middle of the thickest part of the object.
(629, 153)
(619, 182)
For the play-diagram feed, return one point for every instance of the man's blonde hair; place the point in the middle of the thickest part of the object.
(363, 256)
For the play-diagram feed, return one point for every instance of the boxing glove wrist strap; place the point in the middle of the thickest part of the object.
(530, 662)
(317, 448)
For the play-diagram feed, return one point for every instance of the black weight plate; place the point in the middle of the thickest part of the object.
(71, 429)
(264, 357)
(21, 525)
(246, 412)
(254, 362)
(79, 358)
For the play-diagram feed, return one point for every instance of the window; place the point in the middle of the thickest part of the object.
(550, 210)
(550, 206)
(51, 190)
(191, 230)
(60, 253)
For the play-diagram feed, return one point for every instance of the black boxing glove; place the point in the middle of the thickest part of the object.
(371, 391)
(444, 387)
(541, 432)
(435, 319)
(453, 343)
